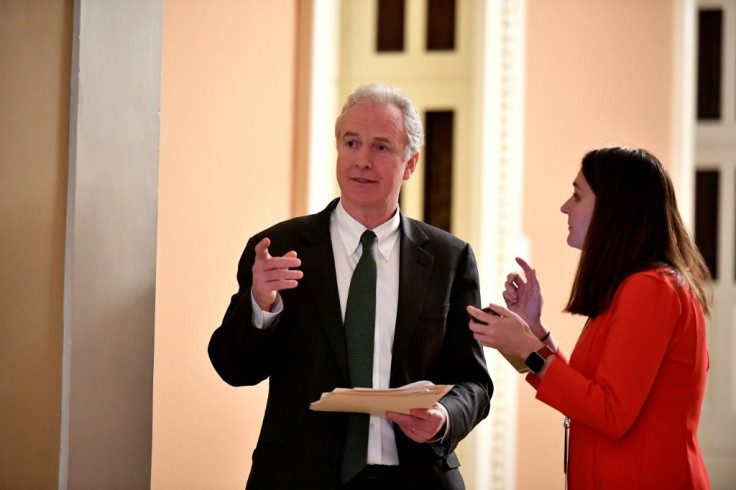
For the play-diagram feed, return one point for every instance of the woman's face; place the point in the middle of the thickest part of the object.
(579, 211)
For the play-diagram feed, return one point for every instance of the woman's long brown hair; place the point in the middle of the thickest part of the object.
(635, 226)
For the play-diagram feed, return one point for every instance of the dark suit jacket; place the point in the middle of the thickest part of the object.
(303, 355)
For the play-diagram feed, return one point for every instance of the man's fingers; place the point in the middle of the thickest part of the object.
(282, 263)
(264, 260)
(262, 249)
(268, 273)
(282, 284)
(275, 273)
(429, 414)
(412, 426)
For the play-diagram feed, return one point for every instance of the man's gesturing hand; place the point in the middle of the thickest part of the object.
(272, 274)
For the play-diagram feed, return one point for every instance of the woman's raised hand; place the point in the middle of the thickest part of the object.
(524, 297)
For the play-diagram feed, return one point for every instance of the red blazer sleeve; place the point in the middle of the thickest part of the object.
(535, 380)
(640, 323)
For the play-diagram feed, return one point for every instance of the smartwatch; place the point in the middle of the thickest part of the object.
(536, 360)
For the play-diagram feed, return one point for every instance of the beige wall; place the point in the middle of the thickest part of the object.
(34, 115)
(225, 169)
(598, 73)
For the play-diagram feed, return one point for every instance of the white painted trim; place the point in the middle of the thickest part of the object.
(323, 103)
(68, 259)
(683, 107)
(715, 148)
(501, 130)
(110, 262)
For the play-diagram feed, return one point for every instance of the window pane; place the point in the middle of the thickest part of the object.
(438, 169)
(440, 25)
(710, 27)
(390, 26)
(706, 217)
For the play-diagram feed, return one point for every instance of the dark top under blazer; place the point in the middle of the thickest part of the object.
(303, 354)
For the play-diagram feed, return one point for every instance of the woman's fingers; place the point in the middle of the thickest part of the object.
(524, 266)
(510, 297)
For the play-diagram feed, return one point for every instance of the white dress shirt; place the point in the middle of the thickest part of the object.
(345, 232)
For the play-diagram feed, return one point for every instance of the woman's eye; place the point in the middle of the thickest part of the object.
(382, 147)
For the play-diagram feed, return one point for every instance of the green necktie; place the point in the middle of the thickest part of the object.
(360, 322)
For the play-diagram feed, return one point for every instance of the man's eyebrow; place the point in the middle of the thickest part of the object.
(382, 139)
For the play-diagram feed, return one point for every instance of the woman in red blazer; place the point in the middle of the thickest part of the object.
(634, 384)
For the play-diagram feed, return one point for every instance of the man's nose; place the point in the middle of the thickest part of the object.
(364, 158)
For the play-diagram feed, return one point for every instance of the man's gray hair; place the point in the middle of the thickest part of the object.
(379, 93)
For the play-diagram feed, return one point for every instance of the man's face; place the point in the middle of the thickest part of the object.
(371, 163)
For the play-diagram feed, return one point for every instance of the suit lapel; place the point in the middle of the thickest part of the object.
(415, 271)
(318, 264)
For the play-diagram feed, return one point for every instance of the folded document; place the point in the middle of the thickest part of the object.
(422, 394)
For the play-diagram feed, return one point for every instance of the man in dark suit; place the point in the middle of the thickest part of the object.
(288, 322)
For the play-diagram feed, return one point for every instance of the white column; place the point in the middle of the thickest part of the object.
(500, 126)
(110, 269)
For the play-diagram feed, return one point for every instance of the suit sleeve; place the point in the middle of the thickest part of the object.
(463, 362)
(240, 352)
(644, 318)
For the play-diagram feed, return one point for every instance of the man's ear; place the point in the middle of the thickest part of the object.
(411, 166)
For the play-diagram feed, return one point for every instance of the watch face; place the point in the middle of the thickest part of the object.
(535, 362)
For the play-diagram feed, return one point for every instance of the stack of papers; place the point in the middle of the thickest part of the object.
(422, 394)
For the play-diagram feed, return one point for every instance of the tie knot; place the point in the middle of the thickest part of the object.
(367, 239)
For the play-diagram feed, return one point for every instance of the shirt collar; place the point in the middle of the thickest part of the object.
(350, 231)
